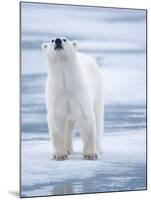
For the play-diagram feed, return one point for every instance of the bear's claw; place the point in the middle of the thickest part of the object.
(60, 156)
(90, 157)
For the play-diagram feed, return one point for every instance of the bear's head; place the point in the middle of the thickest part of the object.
(60, 49)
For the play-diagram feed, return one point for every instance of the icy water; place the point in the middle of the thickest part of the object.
(116, 39)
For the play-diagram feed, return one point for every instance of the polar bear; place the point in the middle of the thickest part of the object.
(74, 93)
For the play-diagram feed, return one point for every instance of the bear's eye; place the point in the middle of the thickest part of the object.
(64, 40)
(52, 41)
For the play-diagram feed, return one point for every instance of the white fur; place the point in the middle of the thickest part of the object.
(73, 94)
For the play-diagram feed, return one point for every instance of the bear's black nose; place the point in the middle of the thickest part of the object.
(58, 41)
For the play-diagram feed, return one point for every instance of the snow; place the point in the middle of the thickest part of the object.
(120, 167)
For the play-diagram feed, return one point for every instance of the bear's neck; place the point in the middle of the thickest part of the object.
(63, 65)
(65, 74)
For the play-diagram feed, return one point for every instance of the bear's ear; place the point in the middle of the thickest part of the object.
(44, 46)
(75, 44)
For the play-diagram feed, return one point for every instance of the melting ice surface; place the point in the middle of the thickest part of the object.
(116, 39)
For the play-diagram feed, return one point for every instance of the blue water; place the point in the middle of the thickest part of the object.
(116, 39)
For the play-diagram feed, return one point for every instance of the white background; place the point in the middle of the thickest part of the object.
(9, 99)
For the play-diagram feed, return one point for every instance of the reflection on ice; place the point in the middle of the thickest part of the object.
(121, 167)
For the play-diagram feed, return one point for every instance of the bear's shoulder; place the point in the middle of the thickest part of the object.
(85, 57)
(87, 62)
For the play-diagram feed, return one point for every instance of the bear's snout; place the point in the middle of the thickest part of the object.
(58, 43)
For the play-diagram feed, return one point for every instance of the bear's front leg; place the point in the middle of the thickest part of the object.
(68, 135)
(56, 129)
(88, 129)
(59, 150)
